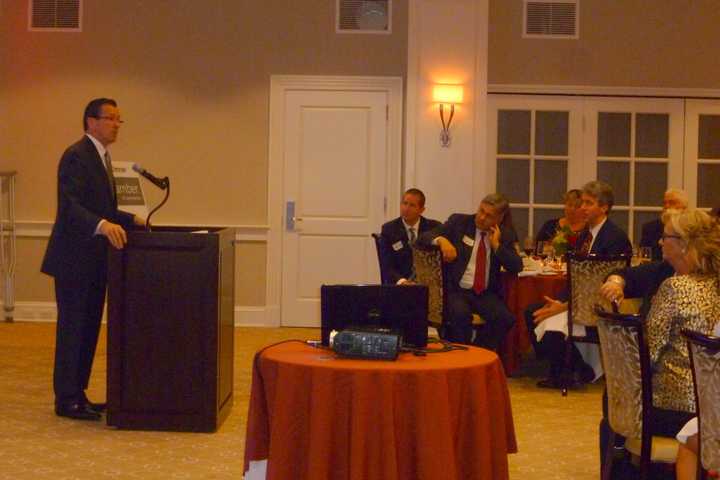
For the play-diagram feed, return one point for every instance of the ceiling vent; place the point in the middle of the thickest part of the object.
(551, 18)
(55, 15)
(364, 16)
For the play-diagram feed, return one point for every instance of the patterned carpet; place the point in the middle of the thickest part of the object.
(557, 437)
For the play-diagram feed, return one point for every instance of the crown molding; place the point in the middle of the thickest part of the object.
(589, 90)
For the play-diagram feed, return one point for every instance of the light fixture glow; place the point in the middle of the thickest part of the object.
(451, 94)
(447, 95)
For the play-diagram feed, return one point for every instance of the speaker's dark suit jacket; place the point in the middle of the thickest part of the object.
(84, 197)
(396, 252)
(460, 227)
(77, 258)
(651, 233)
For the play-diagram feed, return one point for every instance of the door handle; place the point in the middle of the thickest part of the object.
(290, 219)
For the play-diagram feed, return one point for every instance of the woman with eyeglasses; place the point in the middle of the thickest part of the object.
(680, 292)
(689, 299)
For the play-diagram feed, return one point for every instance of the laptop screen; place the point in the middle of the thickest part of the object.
(403, 308)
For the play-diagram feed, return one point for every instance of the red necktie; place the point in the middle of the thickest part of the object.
(585, 248)
(479, 282)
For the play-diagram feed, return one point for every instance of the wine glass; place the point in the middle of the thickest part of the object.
(549, 254)
(529, 246)
(541, 251)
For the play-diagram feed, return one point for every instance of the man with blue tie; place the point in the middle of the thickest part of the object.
(400, 234)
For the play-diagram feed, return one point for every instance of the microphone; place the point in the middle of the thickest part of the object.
(161, 183)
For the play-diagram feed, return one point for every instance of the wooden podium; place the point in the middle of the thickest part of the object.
(170, 330)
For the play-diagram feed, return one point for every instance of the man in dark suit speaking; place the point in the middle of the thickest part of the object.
(400, 234)
(476, 246)
(87, 220)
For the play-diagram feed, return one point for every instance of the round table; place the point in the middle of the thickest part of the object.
(315, 416)
(521, 292)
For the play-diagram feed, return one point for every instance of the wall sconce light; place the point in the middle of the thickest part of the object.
(447, 95)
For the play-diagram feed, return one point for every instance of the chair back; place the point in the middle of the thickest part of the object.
(626, 361)
(382, 261)
(586, 274)
(705, 361)
(429, 271)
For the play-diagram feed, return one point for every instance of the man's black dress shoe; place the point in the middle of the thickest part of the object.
(95, 407)
(550, 382)
(584, 374)
(76, 410)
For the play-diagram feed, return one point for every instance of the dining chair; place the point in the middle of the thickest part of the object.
(628, 379)
(586, 274)
(430, 270)
(705, 362)
(382, 260)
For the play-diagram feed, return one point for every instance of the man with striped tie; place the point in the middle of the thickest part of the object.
(87, 220)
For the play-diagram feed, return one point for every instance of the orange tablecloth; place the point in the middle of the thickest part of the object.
(443, 416)
(520, 292)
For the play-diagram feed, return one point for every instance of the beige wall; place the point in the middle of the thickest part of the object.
(192, 81)
(636, 43)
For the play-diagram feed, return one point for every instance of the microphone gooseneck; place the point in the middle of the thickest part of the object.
(161, 183)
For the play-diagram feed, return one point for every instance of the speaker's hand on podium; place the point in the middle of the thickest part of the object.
(114, 233)
(139, 221)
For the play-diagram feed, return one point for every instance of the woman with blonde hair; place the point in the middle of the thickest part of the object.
(703, 259)
(689, 299)
(572, 218)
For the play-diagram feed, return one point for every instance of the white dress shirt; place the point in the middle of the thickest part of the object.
(468, 278)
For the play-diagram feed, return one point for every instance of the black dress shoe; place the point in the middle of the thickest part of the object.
(550, 382)
(96, 407)
(584, 374)
(76, 410)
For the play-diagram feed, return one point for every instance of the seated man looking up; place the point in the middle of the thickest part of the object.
(400, 234)
(476, 246)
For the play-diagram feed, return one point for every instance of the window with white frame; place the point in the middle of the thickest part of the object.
(544, 145)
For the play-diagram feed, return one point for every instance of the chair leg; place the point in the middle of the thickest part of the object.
(566, 374)
(645, 465)
(607, 466)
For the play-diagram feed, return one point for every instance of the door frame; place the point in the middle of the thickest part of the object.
(279, 84)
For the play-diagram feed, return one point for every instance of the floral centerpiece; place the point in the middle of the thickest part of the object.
(564, 240)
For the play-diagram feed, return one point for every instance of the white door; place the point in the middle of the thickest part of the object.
(335, 166)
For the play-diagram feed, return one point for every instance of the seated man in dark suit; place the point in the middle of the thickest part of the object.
(652, 231)
(476, 246)
(400, 234)
(601, 237)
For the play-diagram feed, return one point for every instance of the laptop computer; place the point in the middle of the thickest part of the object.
(401, 308)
